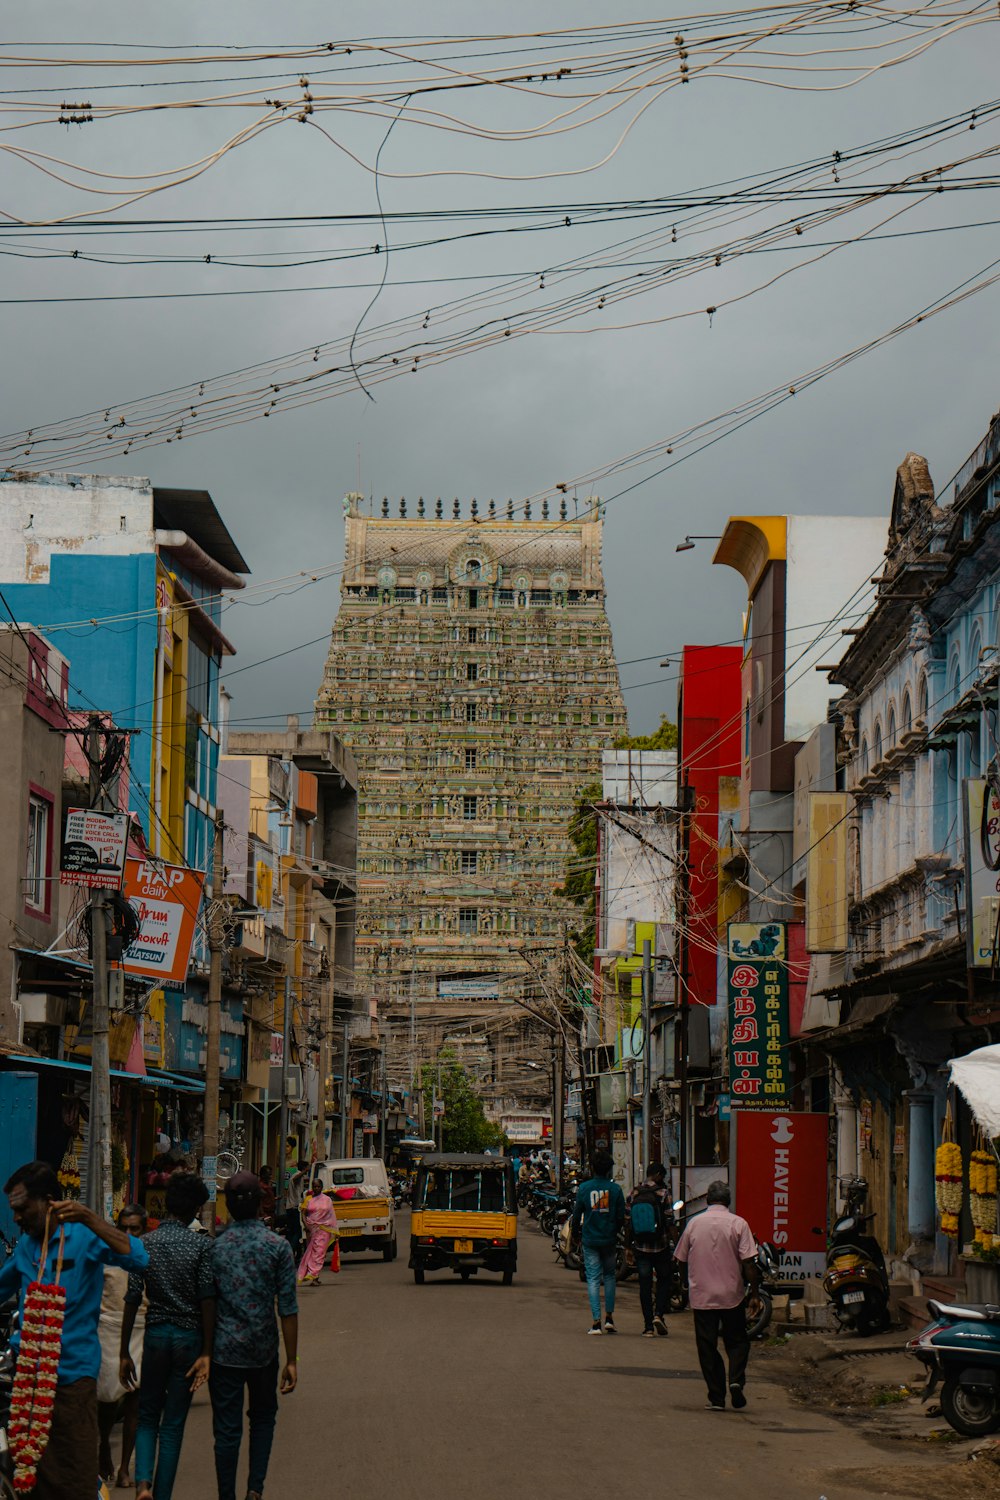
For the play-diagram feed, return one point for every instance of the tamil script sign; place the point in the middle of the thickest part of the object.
(982, 885)
(93, 851)
(166, 899)
(758, 1015)
(781, 1186)
(476, 987)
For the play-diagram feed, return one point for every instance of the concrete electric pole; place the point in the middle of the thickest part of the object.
(216, 946)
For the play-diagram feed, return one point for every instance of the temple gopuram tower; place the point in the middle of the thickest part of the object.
(471, 671)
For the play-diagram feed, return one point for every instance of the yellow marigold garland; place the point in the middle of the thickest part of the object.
(983, 1196)
(34, 1392)
(948, 1186)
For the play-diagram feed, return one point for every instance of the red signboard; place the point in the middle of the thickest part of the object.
(781, 1186)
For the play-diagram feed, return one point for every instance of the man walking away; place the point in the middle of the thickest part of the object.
(648, 1211)
(180, 1325)
(68, 1466)
(600, 1206)
(254, 1269)
(720, 1253)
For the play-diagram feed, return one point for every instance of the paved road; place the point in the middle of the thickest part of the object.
(448, 1390)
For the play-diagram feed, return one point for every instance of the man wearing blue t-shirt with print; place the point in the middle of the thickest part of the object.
(600, 1206)
(68, 1467)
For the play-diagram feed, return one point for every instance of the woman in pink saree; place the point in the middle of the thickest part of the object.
(321, 1228)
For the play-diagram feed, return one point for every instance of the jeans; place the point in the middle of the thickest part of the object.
(225, 1385)
(168, 1352)
(599, 1264)
(731, 1322)
(646, 1266)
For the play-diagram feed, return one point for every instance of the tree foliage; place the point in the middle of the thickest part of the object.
(465, 1125)
(579, 885)
(664, 738)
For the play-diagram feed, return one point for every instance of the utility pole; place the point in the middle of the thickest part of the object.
(213, 1035)
(99, 1191)
(558, 1100)
(345, 1090)
(385, 1104)
(647, 1048)
(283, 1116)
(683, 1008)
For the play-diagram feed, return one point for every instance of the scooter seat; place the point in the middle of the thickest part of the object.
(969, 1312)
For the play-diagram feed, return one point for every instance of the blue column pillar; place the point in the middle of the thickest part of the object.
(920, 1192)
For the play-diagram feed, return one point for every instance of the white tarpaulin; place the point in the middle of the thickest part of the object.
(978, 1077)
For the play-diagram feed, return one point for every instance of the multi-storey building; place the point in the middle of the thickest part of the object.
(472, 672)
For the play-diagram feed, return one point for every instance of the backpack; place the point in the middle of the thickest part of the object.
(646, 1214)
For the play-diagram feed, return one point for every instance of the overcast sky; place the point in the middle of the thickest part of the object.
(511, 420)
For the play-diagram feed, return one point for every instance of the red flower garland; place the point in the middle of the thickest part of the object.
(35, 1378)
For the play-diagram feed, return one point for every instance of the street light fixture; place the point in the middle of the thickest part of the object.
(689, 541)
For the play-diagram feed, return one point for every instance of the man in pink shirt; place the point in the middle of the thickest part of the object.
(720, 1252)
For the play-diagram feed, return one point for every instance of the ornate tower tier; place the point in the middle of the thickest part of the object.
(472, 672)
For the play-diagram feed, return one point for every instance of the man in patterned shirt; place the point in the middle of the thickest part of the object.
(254, 1269)
(180, 1322)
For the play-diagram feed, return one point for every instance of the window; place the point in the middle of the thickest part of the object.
(473, 598)
(471, 757)
(470, 808)
(470, 861)
(36, 887)
(473, 635)
(470, 713)
(472, 671)
(468, 921)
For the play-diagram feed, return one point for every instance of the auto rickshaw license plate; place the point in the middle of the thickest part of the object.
(463, 1247)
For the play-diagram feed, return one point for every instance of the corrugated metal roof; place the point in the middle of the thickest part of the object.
(194, 511)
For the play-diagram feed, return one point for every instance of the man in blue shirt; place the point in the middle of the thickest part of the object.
(600, 1205)
(69, 1463)
(254, 1269)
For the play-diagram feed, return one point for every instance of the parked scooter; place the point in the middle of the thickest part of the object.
(856, 1280)
(961, 1347)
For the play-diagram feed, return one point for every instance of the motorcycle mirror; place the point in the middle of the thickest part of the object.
(678, 1205)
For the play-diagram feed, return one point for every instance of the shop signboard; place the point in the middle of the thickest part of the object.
(166, 899)
(612, 1096)
(93, 851)
(758, 1015)
(474, 987)
(781, 1186)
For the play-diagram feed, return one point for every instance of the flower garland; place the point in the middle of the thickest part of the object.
(983, 1196)
(34, 1392)
(948, 1184)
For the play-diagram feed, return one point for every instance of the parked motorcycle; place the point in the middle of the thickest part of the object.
(856, 1280)
(961, 1348)
(767, 1285)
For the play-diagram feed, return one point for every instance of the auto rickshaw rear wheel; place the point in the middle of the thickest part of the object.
(418, 1275)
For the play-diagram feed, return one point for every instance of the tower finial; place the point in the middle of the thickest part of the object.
(493, 509)
(385, 505)
(545, 510)
(456, 509)
(439, 508)
(402, 507)
(420, 507)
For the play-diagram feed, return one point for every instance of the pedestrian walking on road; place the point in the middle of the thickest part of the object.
(720, 1252)
(321, 1228)
(68, 1466)
(180, 1325)
(600, 1207)
(649, 1212)
(268, 1199)
(254, 1270)
(115, 1403)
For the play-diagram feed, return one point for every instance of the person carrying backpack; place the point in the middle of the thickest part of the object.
(650, 1221)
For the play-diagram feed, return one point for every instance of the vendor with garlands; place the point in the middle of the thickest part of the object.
(85, 1243)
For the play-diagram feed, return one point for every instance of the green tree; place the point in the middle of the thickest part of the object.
(465, 1125)
(579, 885)
(664, 738)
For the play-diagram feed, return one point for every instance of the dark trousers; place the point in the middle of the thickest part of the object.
(69, 1464)
(226, 1384)
(731, 1322)
(648, 1266)
(168, 1352)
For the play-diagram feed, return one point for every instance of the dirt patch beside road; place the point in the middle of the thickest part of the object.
(879, 1392)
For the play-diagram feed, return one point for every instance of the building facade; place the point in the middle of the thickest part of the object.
(472, 673)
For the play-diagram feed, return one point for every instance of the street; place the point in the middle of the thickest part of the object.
(451, 1389)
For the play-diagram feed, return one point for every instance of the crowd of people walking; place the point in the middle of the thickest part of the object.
(152, 1315)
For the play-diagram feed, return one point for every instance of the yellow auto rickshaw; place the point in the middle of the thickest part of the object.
(464, 1216)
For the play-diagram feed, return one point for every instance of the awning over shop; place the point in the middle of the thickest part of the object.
(978, 1076)
(153, 1078)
